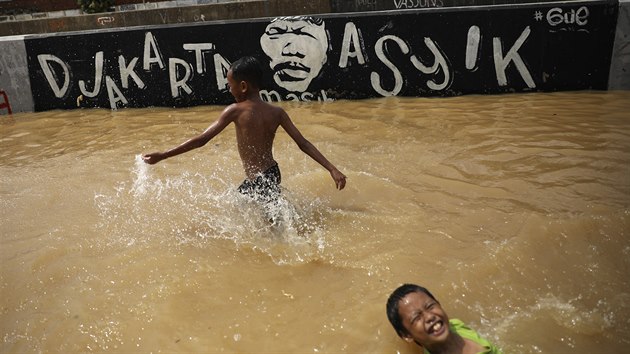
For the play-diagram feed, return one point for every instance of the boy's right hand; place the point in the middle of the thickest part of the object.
(340, 178)
(153, 158)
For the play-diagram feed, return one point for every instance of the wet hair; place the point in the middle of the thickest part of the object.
(247, 69)
(394, 300)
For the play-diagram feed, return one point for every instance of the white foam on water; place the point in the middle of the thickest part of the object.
(192, 209)
(141, 173)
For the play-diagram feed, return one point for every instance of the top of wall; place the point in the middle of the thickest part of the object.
(17, 7)
(380, 5)
(64, 17)
(169, 12)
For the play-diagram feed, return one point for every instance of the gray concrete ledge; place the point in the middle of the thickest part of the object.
(220, 10)
(191, 11)
(619, 78)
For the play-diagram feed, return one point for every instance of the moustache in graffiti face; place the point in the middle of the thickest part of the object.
(291, 71)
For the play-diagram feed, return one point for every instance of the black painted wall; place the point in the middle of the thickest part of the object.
(435, 52)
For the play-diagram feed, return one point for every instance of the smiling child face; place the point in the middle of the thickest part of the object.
(424, 319)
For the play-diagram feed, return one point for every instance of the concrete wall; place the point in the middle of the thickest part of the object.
(68, 17)
(379, 5)
(15, 86)
(221, 10)
(620, 65)
(25, 6)
(417, 52)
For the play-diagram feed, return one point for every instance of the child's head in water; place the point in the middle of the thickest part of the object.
(417, 316)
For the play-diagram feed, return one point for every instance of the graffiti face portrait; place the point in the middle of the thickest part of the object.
(296, 47)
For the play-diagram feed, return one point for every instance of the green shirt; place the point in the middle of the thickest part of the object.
(464, 331)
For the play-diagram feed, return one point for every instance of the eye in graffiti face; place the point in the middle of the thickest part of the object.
(296, 47)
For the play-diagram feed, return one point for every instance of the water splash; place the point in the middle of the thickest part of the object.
(141, 176)
(192, 209)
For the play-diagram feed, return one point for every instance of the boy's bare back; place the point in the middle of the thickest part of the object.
(256, 123)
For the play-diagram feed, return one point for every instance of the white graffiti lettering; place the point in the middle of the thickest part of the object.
(432, 64)
(274, 96)
(114, 93)
(127, 70)
(351, 38)
(370, 3)
(199, 49)
(180, 72)
(440, 62)
(98, 75)
(270, 96)
(177, 83)
(221, 67)
(472, 47)
(557, 16)
(105, 19)
(151, 52)
(501, 62)
(415, 4)
(375, 78)
(51, 75)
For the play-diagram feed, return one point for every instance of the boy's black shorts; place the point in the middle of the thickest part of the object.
(265, 187)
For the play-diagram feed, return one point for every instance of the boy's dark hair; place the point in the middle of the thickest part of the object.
(394, 300)
(247, 69)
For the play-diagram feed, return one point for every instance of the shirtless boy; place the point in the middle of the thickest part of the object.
(418, 317)
(256, 123)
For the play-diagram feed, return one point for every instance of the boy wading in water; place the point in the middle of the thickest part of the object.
(256, 123)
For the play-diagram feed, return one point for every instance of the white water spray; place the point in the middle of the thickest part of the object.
(192, 209)
(141, 176)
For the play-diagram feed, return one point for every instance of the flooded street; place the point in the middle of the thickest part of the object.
(514, 210)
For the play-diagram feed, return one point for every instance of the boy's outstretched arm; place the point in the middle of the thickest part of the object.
(311, 150)
(196, 142)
